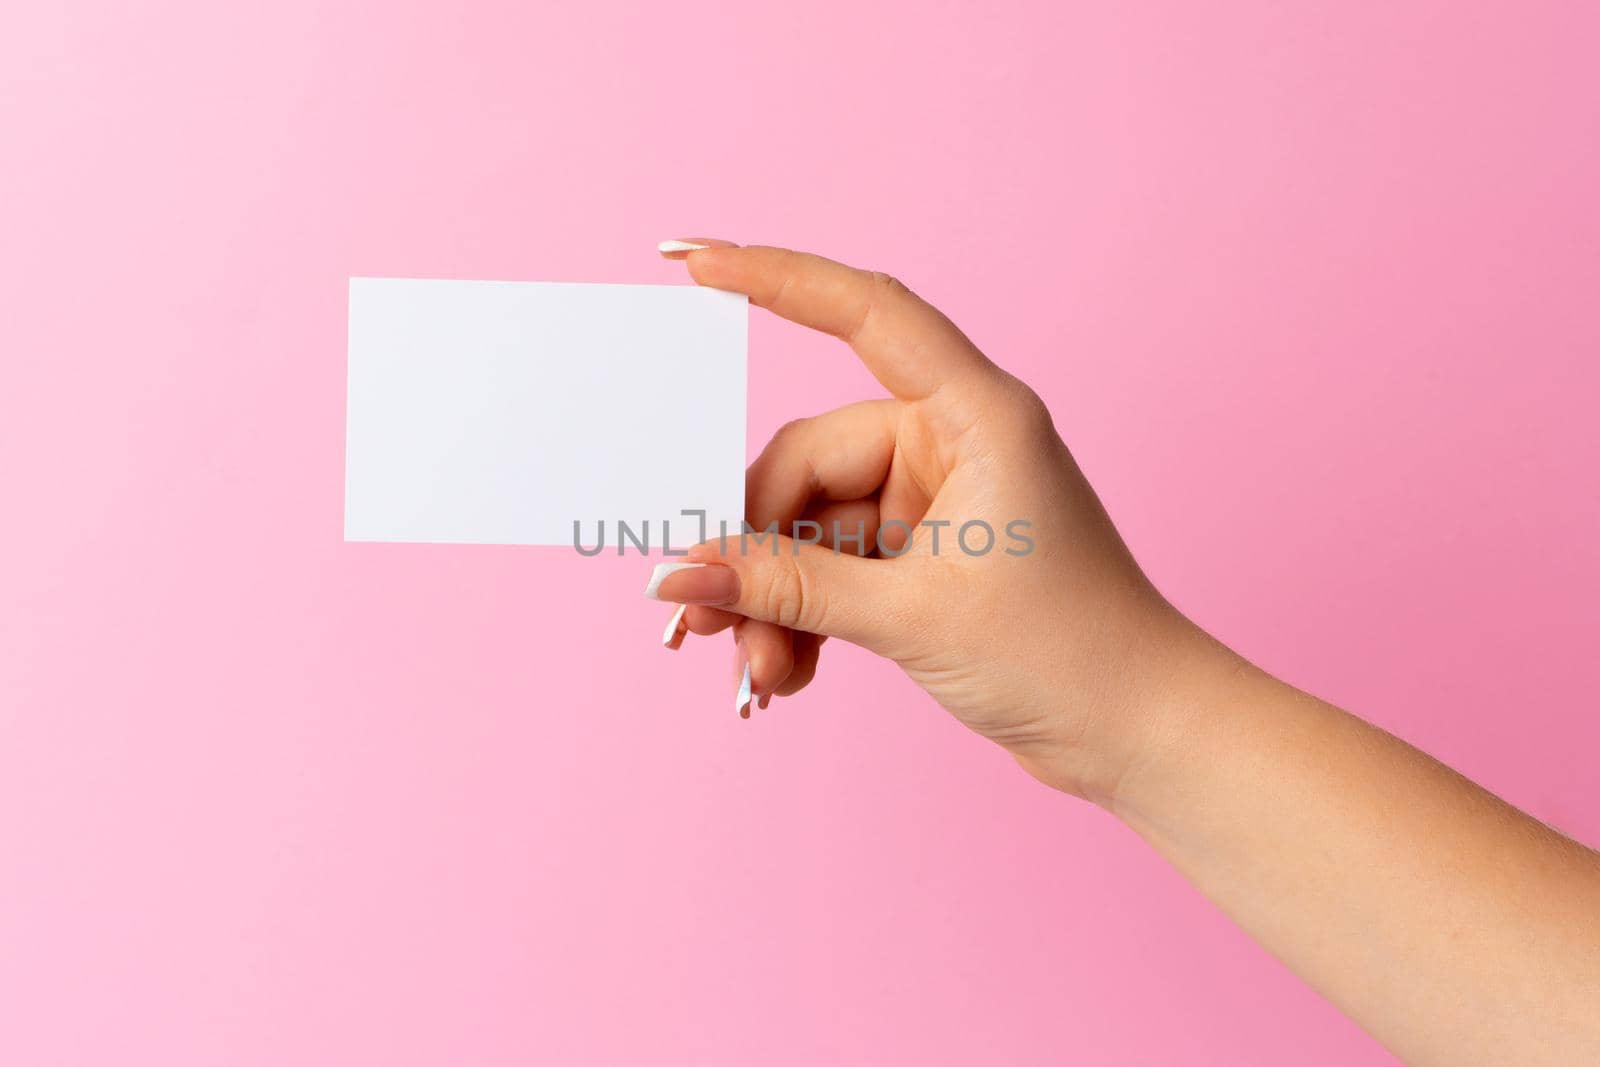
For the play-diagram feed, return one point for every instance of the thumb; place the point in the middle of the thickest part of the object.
(790, 583)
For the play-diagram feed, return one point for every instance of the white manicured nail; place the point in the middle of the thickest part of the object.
(673, 636)
(659, 575)
(741, 703)
(679, 246)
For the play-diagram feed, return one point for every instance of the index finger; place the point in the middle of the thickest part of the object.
(907, 343)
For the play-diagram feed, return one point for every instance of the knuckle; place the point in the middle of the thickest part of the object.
(887, 284)
(790, 431)
(791, 598)
(1031, 406)
(882, 289)
(785, 594)
(1017, 419)
(782, 451)
(1029, 412)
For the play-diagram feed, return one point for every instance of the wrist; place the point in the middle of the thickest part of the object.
(1198, 715)
(1123, 743)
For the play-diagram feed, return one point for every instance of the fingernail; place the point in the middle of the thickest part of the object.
(741, 666)
(764, 701)
(693, 583)
(657, 576)
(666, 248)
(674, 634)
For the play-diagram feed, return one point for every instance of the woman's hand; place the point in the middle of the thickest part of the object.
(1450, 925)
(1015, 604)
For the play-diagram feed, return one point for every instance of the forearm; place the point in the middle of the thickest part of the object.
(1448, 924)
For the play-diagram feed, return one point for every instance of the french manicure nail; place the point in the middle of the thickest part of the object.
(660, 574)
(741, 670)
(693, 583)
(673, 635)
(666, 247)
(741, 702)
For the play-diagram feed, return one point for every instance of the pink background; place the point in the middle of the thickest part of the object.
(1311, 289)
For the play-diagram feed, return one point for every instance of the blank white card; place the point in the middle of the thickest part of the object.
(505, 412)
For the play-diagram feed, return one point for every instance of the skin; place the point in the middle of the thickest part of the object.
(1452, 927)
